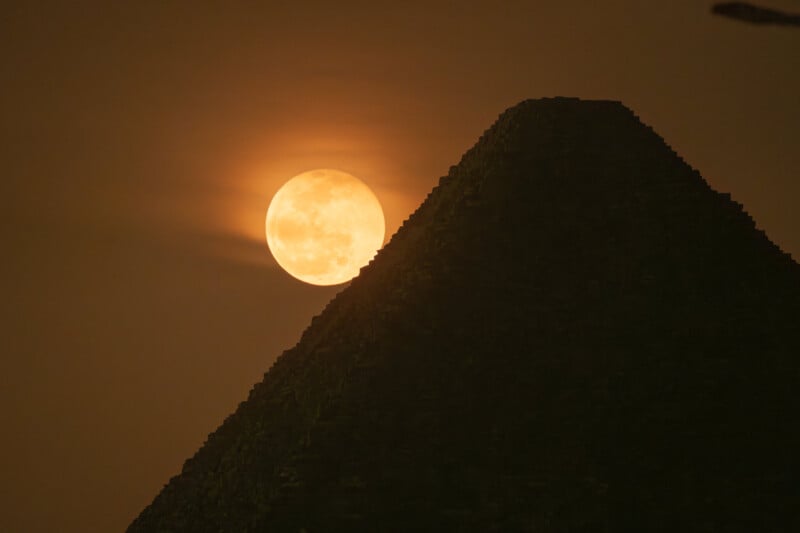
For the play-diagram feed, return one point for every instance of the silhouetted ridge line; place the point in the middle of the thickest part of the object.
(573, 332)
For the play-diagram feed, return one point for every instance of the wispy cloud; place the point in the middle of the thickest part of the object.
(749, 13)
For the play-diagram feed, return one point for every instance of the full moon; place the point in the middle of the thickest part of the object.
(323, 226)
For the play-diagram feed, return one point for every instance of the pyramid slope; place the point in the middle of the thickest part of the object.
(572, 332)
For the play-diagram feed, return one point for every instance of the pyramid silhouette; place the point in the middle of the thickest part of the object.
(573, 332)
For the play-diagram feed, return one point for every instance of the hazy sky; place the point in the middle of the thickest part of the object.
(142, 141)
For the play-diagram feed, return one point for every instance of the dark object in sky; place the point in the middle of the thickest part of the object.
(754, 14)
(573, 332)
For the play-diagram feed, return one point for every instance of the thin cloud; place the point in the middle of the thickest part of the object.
(749, 13)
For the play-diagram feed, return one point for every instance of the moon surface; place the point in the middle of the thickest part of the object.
(323, 226)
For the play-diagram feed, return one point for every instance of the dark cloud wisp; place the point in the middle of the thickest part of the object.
(745, 12)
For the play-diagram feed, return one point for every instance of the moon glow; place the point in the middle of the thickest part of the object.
(323, 226)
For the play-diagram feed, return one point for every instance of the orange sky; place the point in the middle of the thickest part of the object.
(141, 144)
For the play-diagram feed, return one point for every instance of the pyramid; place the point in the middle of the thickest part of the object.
(573, 332)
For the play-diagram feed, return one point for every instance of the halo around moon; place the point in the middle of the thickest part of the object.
(323, 226)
